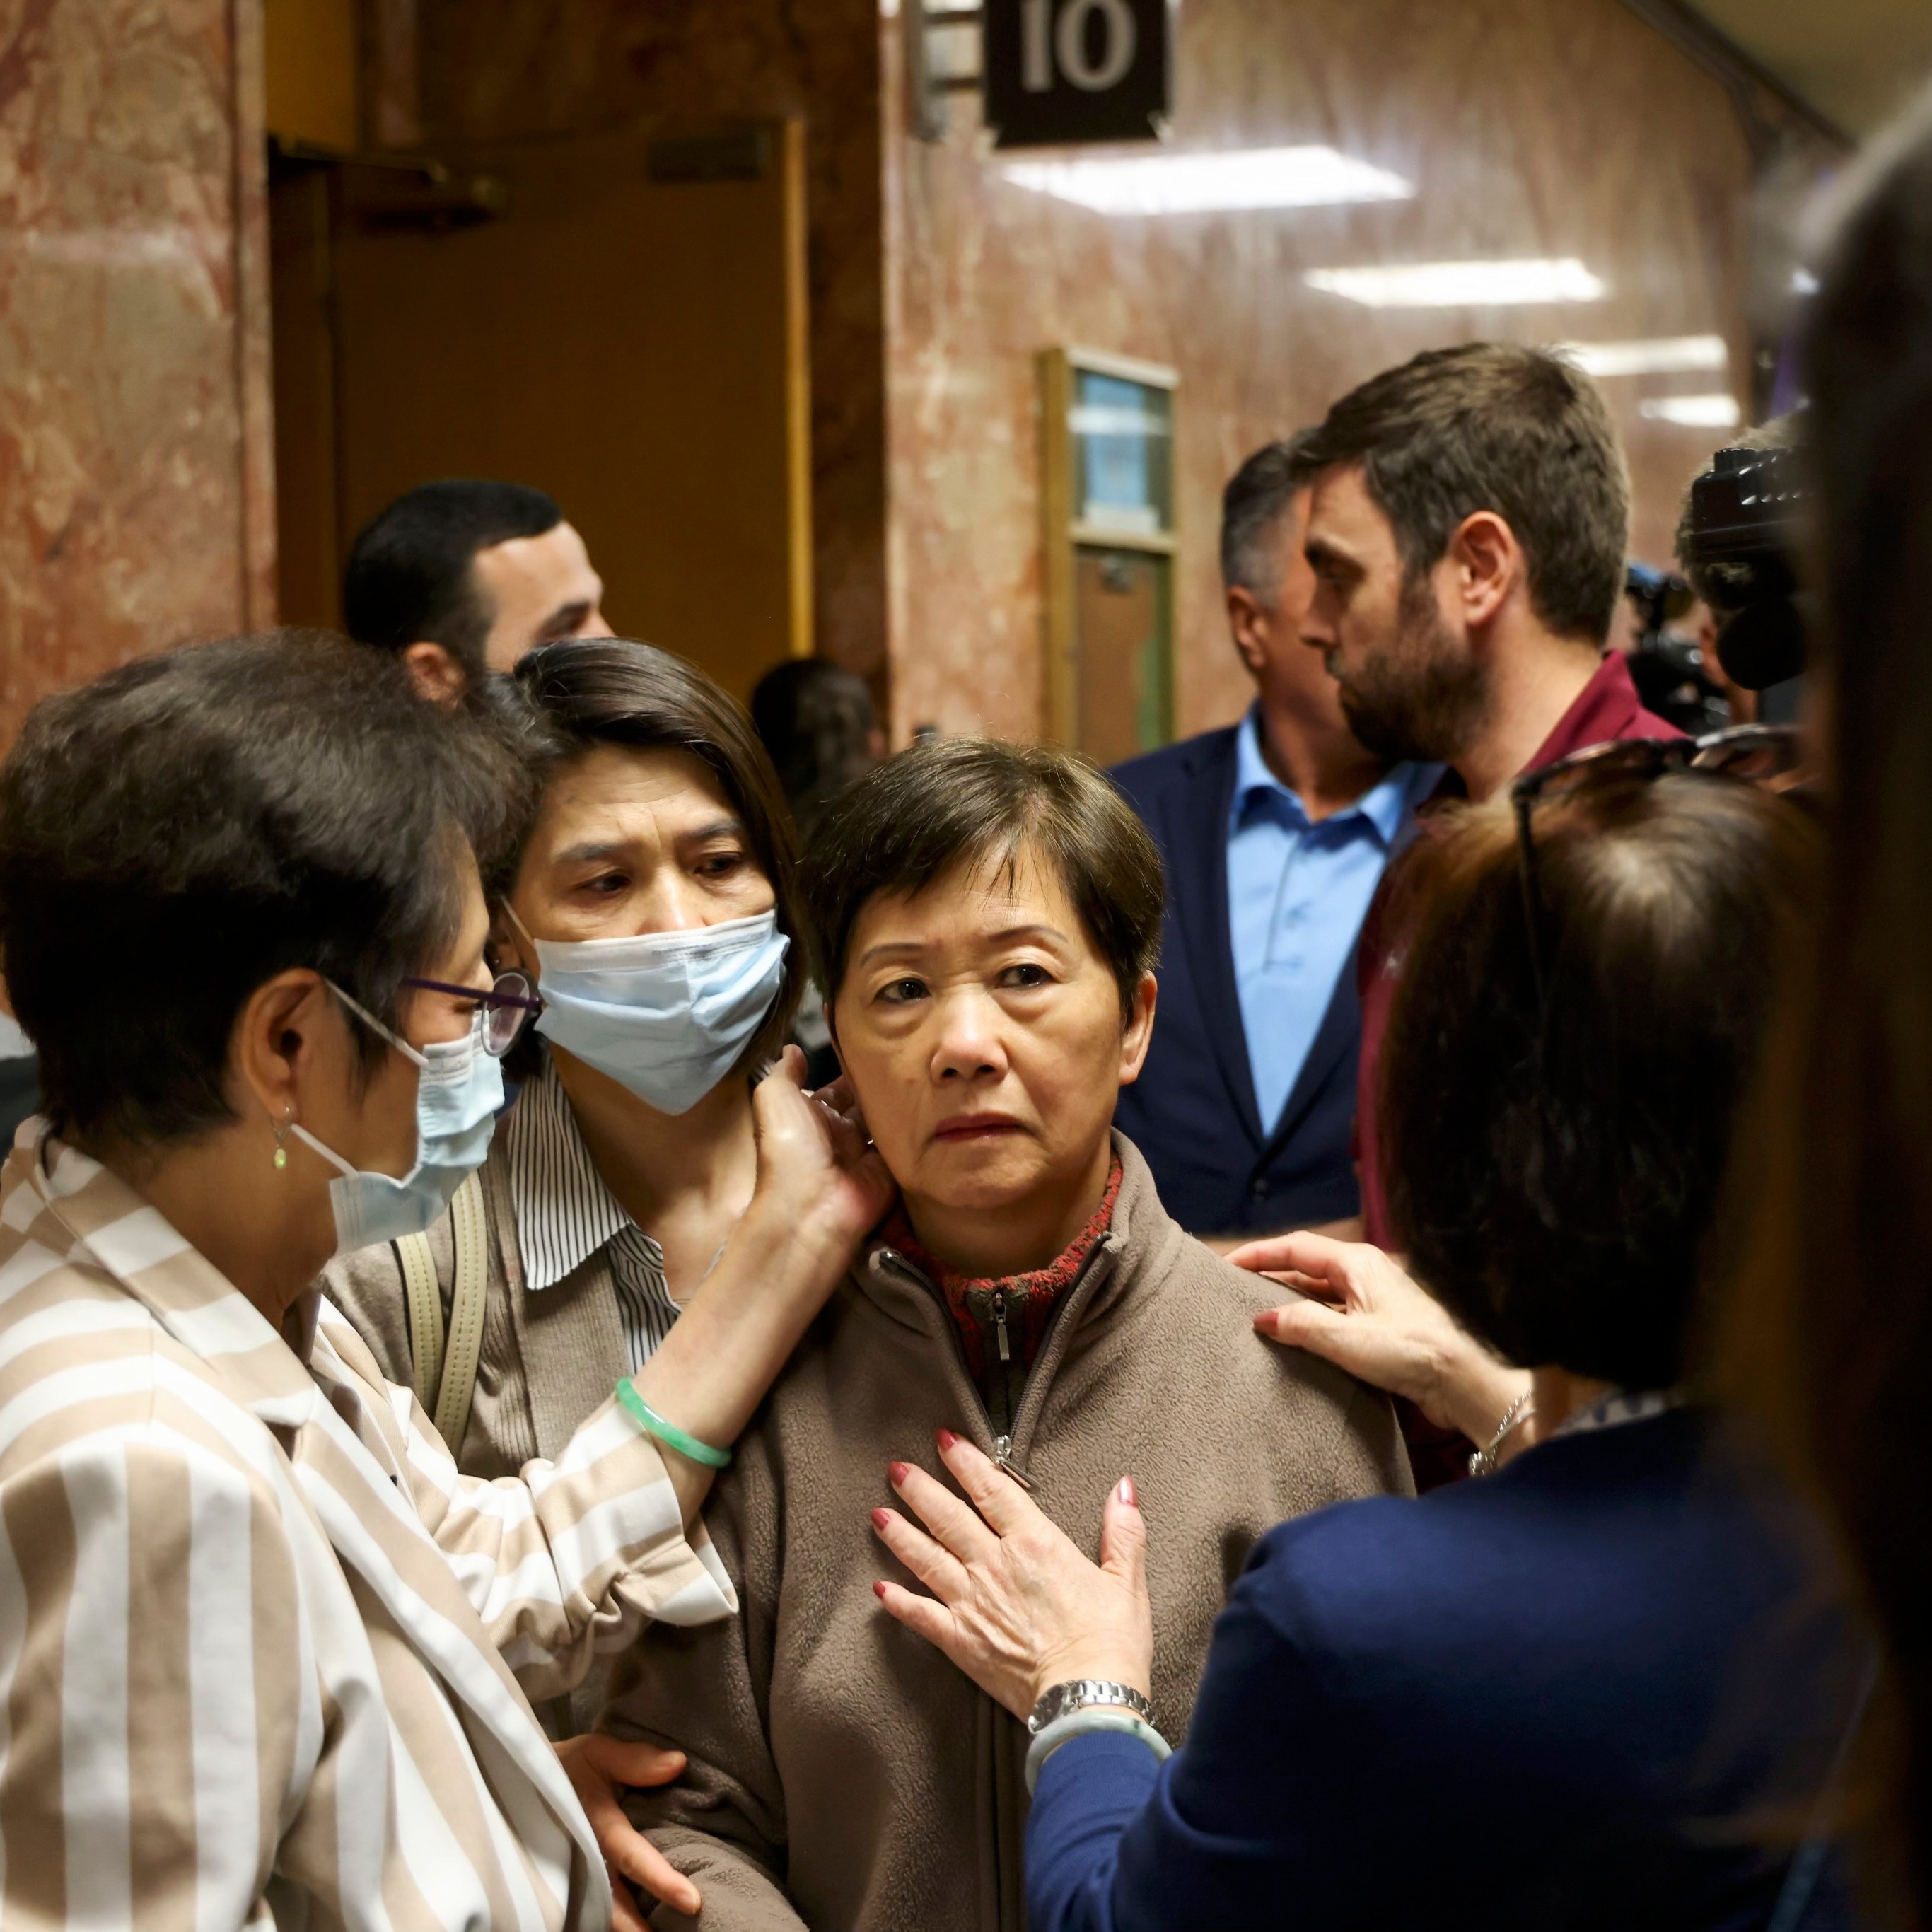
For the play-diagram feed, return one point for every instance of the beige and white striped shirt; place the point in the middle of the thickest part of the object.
(257, 1635)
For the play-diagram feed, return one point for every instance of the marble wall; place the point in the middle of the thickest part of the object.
(136, 491)
(136, 503)
(533, 67)
(1530, 127)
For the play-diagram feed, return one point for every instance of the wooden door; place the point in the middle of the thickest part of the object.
(617, 319)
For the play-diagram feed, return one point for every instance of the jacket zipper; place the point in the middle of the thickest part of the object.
(1003, 1458)
(975, 1409)
(1030, 1402)
(1034, 1398)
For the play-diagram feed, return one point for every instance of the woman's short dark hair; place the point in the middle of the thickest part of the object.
(1553, 1175)
(178, 831)
(975, 800)
(567, 699)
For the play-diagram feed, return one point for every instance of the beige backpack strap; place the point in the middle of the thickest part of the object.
(465, 1344)
(424, 1297)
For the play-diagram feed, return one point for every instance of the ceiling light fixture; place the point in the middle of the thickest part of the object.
(1649, 357)
(1461, 284)
(1718, 411)
(1193, 183)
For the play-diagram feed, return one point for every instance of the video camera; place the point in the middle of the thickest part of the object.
(1666, 666)
(1738, 545)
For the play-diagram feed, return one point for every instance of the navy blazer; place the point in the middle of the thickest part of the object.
(1192, 1112)
(1589, 1692)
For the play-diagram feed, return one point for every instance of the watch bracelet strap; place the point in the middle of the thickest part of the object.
(1059, 1700)
(1079, 1722)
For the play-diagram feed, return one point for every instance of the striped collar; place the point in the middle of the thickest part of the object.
(564, 1212)
(77, 1212)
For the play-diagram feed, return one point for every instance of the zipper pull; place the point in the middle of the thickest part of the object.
(1000, 1326)
(1003, 1459)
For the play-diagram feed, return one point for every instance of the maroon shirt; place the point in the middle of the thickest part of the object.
(1607, 707)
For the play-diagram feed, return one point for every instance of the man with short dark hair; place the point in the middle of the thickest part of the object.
(1275, 833)
(1468, 533)
(462, 577)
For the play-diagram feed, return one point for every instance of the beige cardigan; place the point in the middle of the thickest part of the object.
(548, 1358)
(842, 1773)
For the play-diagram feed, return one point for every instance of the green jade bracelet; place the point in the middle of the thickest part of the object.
(648, 1419)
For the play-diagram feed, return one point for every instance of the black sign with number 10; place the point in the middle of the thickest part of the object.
(1059, 72)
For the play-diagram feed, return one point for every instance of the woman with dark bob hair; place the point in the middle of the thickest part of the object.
(985, 918)
(646, 895)
(266, 1652)
(1604, 1667)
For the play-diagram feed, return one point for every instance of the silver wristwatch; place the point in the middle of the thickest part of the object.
(1081, 1692)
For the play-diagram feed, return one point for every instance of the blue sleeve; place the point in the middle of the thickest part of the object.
(1090, 1790)
(1261, 1805)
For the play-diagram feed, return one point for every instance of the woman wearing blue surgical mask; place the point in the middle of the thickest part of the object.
(267, 1652)
(647, 902)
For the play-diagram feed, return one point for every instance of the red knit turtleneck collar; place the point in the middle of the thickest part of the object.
(1031, 1297)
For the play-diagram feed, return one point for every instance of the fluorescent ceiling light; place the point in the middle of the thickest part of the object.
(1193, 183)
(1712, 411)
(1649, 357)
(1461, 284)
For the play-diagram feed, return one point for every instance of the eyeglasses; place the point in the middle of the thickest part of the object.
(507, 1006)
(1765, 755)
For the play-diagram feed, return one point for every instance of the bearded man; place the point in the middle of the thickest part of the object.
(1467, 533)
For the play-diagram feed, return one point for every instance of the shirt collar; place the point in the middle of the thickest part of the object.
(1387, 805)
(1607, 707)
(564, 1212)
(1252, 776)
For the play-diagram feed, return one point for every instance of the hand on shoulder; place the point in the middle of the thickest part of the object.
(1354, 1306)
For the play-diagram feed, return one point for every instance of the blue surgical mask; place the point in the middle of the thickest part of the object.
(459, 1089)
(666, 1015)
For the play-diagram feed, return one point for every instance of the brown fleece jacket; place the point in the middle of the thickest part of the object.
(843, 1774)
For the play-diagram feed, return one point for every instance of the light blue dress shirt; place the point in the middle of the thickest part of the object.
(1296, 895)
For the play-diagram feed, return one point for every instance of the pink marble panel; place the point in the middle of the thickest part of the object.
(1530, 127)
(137, 502)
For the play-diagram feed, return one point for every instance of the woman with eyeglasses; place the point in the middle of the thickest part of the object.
(266, 1652)
(1604, 1661)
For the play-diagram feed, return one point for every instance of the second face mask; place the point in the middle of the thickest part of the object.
(667, 1014)
(459, 1088)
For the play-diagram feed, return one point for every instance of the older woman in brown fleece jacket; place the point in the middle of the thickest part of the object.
(987, 918)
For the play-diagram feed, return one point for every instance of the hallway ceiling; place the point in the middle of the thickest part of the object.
(1855, 60)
